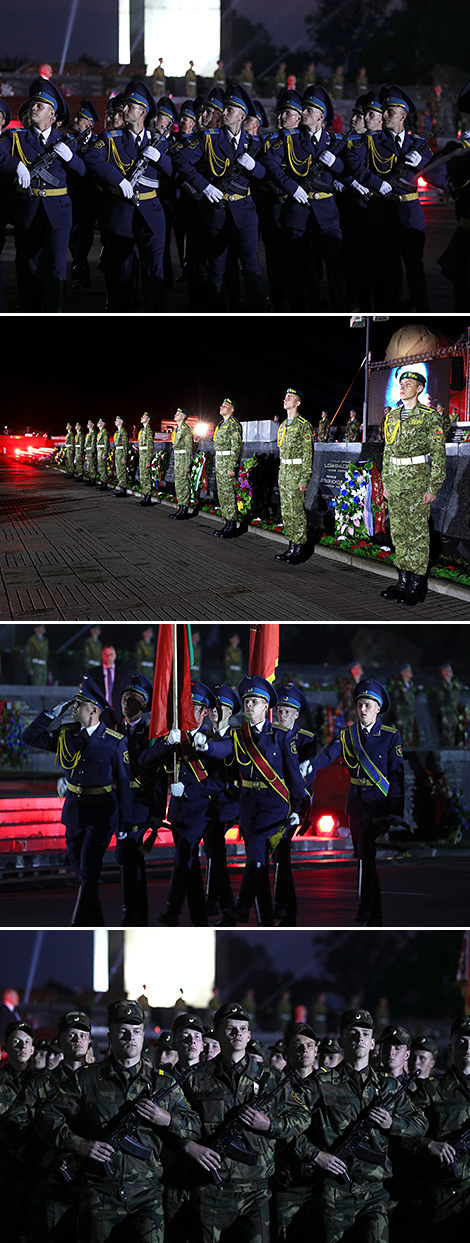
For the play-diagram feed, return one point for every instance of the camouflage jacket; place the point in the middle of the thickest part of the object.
(402, 695)
(36, 652)
(445, 1101)
(12, 1086)
(446, 697)
(295, 442)
(228, 444)
(414, 433)
(146, 442)
(121, 442)
(183, 445)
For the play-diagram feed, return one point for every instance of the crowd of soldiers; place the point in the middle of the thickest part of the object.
(341, 208)
(202, 1132)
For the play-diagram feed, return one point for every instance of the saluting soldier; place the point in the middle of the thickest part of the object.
(402, 696)
(447, 695)
(35, 656)
(92, 649)
(79, 448)
(183, 447)
(146, 448)
(98, 802)
(90, 454)
(102, 448)
(69, 449)
(295, 442)
(414, 468)
(121, 451)
(228, 443)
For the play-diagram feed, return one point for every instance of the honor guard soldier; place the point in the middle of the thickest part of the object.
(102, 449)
(85, 199)
(219, 75)
(228, 444)
(323, 430)
(144, 653)
(43, 214)
(35, 656)
(183, 447)
(135, 220)
(146, 449)
(270, 200)
(272, 791)
(374, 756)
(92, 649)
(402, 696)
(353, 431)
(121, 1188)
(233, 660)
(224, 807)
(98, 801)
(295, 442)
(455, 261)
(190, 81)
(446, 697)
(159, 79)
(90, 454)
(414, 468)
(148, 803)
(69, 449)
(291, 703)
(79, 449)
(121, 452)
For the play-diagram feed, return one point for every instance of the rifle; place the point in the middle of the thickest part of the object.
(400, 184)
(140, 166)
(227, 1141)
(352, 1144)
(42, 163)
(124, 1136)
(461, 1145)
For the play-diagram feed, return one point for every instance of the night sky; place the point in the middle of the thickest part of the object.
(90, 367)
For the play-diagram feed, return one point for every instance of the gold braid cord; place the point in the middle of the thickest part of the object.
(218, 167)
(295, 164)
(381, 163)
(66, 758)
(390, 439)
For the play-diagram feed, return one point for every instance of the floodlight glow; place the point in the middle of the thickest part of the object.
(100, 961)
(201, 429)
(162, 965)
(179, 31)
(326, 826)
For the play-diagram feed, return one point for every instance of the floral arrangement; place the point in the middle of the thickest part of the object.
(59, 456)
(245, 486)
(13, 752)
(360, 505)
(159, 468)
(198, 479)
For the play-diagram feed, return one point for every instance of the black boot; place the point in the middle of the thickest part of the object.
(176, 513)
(102, 487)
(415, 593)
(196, 896)
(229, 531)
(120, 492)
(247, 891)
(87, 911)
(392, 592)
(284, 897)
(263, 900)
(134, 895)
(221, 529)
(146, 500)
(183, 512)
(282, 556)
(176, 896)
(296, 556)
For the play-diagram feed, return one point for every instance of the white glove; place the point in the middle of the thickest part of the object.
(294, 819)
(385, 188)
(360, 189)
(24, 176)
(177, 789)
(64, 151)
(58, 710)
(200, 741)
(327, 158)
(305, 768)
(300, 195)
(151, 153)
(338, 186)
(213, 194)
(174, 736)
(126, 188)
(247, 161)
(413, 158)
(465, 134)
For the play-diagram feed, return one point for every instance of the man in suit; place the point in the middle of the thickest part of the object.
(108, 677)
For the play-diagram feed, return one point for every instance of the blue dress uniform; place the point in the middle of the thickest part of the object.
(312, 231)
(212, 159)
(85, 196)
(270, 204)
(375, 762)
(285, 899)
(42, 213)
(224, 808)
(131, 226)
(98, 801)
(148, 801)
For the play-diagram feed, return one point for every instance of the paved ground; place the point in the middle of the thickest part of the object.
(425, 894)
(72, 553)
(440, 224)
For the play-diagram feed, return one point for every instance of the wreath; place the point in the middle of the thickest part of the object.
(13, 752)
(360, 504)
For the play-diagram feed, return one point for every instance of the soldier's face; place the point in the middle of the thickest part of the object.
(422, 1061)
(161, 123)
(395, 118)
(251, 125)
(187, 124)
(132, 706)
(373, 120)
(85, 712)
(232, 117)
(302, 1053)
(447, 673)
(328, 1060)
(367, 711)
(179, 417)
(357, 1043)
(168, 1057)
(234, 1035)
(145, 420)
(394, 1057)
(409, 389)
(226, 409)
(461, 1052)
(126, 1041)
(81, 124)
(200, 711)
(53, 1058)
(286, 716)
(74, 1041)
(188, 1041)
(358, 123)
(312, 117)
(39, 1059)
(133, 113)
(278, 1061)
(289, 118)
(42, 115)
(407, 674)
(211, 1048)
(291, 402)
(19, 1047)
(255, 709)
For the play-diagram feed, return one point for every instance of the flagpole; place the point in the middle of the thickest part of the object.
(175, 696)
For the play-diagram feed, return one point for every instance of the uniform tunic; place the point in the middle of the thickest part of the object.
(295, 441)
(228, 443)
(145, 440)
(90, 454)
(121, 449)
(183, 445)
(102, 446)
(414, 462)
(79, 446)
(69, 450)
(35, 658)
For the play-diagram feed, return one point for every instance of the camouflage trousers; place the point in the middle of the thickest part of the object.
(102, 465)
(448, 732)
(79, 463)
(448, 1213)
(182, 485)
(293, 512)
(145, 474)
(338, 1209)
(102, 1217)
(90, 465)
(179, 1215)
(121, 469)
(293, 1215)
(246, 1208)
(69, 459)
(409, 518)
(227, 494)
(406, 726)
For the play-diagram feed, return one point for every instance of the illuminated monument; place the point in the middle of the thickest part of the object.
(175, 30)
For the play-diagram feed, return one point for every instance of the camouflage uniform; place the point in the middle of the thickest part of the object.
(183, 445)
(35, 658)
(228, 444)
(90, 454)
(92, 649)
(102, 446)
(323, 431)
(445, 1101)
(409, 434)
(146, 446)
(295, 443)
(144, 656)
(69, 451)
(293, 1179)
(353, 430)
(13, 1178)
(403, 695)
(79, 444)
(233, 662)
(93, 1102)
(447, 695)
(190, 82)
(121, 449)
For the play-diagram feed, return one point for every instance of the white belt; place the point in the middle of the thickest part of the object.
(410, 461)
(147, 662)
(119, 449)
(222, 452)
(35, 660)
(179, 450)
(291, 461)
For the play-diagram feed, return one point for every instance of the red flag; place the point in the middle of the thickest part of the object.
(463, 970)
(264, 650)
(162, 713)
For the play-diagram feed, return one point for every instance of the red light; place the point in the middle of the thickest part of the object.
(326, 826)
(422, 183)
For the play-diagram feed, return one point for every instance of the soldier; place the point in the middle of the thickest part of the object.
(223, 807)
(353, 428)
(292, 1190)
(247, 78)
(346, 702)
(295, 442)
(270, 200)
(211, 1045)
(35, 656)
(14, 1076)
(119, 1187)
(446, 695)
(280, 78)
(395, 1051)
(90, 454)
(85, 199)
(228, 443)
(121, 451)
(146, 448)
(102, 448)
(272, 791)
(144, 653)
(291, 703)
(337, 83)
(183, 447)
(190, 81)
(423, 1055)
(92, 649)
(97, 803)
(445, 1102)
(402, 696)
(148, 803)
(219, 75)
(373, 753)
(330, 1053)
(414, 468)
(69, 449)
(308, 77)
(159, 78)
(233, 661)
(187, 1040)
(79, 447)
(362, 81)
(323, 430)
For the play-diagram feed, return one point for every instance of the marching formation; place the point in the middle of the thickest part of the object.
(344, 208)
(198, 1133)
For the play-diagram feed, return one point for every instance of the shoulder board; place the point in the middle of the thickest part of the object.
(114, 133)
(212, 131)
(391, 729)
(306, 733)
(114, 733)
(277, 725)
(303, 420)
